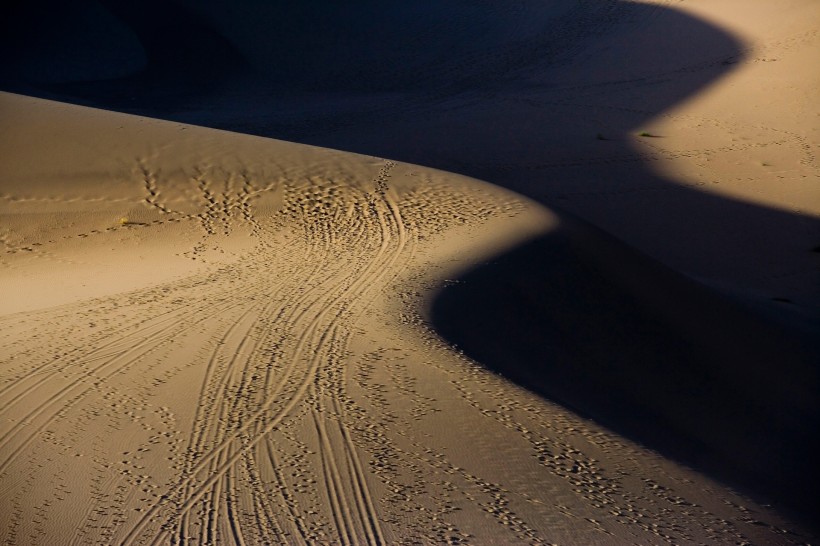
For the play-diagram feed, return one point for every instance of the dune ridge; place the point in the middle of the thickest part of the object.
(546, 99)
(284, 385)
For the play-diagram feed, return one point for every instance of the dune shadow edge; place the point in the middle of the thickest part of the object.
(582, 320)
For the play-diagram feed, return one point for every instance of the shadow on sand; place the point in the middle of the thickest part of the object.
(579, 318)
(575, 316)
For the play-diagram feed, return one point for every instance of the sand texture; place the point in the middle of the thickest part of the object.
(235, 308)
(273, 380)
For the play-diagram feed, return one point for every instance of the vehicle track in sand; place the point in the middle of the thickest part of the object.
(316, 313)
(328, 349)
(292, 393)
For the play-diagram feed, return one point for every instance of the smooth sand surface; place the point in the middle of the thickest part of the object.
(214, 338)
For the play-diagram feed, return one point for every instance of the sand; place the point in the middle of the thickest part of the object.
(209, 337)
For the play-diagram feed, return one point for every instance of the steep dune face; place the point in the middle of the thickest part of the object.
(276, 382)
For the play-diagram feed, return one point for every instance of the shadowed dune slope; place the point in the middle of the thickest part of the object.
(578, 317)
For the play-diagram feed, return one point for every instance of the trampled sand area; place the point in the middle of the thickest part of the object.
(209, 337)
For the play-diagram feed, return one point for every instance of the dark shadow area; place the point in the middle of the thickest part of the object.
(579, 318)
(115, 54)
(536, 100)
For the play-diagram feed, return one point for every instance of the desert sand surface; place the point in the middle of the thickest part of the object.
(213, 337)
(246, 359)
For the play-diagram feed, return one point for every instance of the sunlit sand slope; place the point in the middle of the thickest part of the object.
(210, 338)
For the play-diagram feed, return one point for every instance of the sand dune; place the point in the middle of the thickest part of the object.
(208, 337)
(545, 98)
(270, 376)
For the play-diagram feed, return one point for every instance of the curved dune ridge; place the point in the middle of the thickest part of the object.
(212, 338)
(547, 98)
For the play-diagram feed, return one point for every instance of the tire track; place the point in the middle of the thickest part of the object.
(87, 358)
(208, 429)
(342, 291)
(135, 351)
(140, 349)
(202, 427)
(228, 413)
(365, 527)
(33, 372)
(285, 444)
(302, 536)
